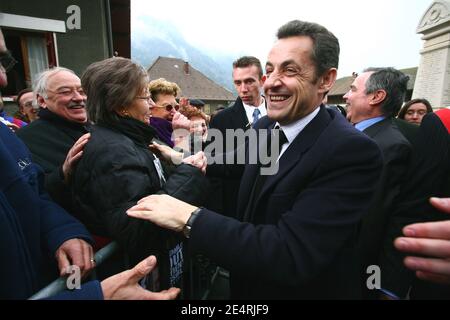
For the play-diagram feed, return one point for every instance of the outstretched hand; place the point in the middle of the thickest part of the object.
(125, 285)
(166, 153)
(198, 160)
(429, 239)
(163, 210)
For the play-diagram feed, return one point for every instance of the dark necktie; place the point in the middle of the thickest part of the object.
(281, 136)
(256, 114)
(261, 179)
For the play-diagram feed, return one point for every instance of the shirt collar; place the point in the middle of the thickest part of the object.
(250, 109)
(363, 125)
(293, 130)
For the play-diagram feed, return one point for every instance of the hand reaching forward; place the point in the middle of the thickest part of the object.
(167, 153)
(163, 210)
(432, 240)
(124, 286)
(198, 160)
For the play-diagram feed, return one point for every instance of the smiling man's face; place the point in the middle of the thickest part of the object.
(65, 97)
(291, 88)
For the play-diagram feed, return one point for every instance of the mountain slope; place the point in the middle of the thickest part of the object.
(151, 38)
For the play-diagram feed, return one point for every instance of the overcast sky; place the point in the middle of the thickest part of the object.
(373, 33)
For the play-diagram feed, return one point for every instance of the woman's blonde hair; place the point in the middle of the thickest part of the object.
(162, 86)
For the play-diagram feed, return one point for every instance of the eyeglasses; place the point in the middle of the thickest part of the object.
(69, 92)
(7, 61)
(169, 107)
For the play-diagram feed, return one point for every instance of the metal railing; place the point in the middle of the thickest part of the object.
(202, 277)
(59, 284)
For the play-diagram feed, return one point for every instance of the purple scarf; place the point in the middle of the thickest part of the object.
(164, 129)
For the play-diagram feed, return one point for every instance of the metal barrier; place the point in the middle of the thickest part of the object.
(60, 284)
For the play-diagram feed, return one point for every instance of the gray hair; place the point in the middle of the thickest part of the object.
(40, 84)
(326, 49)
(393, 82)
(111, 85)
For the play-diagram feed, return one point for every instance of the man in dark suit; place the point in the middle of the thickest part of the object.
(249, 107)
(375, 96)
(300, 225)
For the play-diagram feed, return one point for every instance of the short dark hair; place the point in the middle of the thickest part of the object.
(110, 85)
(326, 49)
(404, 109)
(21, 93)
(393, 82)
(248, 61)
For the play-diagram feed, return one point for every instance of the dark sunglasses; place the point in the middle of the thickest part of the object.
(169, 107)
(7, 60)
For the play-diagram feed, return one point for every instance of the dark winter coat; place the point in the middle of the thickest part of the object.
(115, 172)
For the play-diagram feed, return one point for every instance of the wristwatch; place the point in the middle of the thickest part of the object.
(187, 227)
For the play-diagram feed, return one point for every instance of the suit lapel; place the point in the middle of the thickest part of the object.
(250, 175)
(302, 143)
(240, 117)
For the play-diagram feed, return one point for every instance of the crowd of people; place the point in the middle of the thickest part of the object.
(115, 156)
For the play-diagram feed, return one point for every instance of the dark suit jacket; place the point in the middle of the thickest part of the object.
(226, 190)
(302, 242)
(396, 151)
(231, 118)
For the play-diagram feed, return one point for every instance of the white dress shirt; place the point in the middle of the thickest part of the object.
(250, 109)
(293, 130)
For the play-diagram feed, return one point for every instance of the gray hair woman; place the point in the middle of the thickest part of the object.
(118, 169)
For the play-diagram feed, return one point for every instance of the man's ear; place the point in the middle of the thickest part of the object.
(263, 79)
(378, 97)
(41, 101)
(327, 80)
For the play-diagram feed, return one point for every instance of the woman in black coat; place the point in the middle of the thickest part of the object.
(117, 168)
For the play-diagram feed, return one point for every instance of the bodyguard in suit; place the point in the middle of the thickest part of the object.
(375, 96)
(249, 107)
(297, 240)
